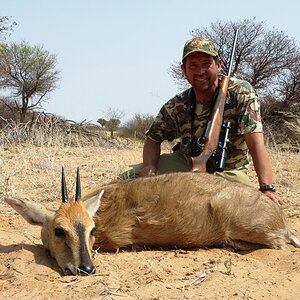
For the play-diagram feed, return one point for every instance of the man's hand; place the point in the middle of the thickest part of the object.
(148, 171)
(151, 153)
(274, 197)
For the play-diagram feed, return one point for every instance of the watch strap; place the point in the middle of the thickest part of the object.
(267, 187)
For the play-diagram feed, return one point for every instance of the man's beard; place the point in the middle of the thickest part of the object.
(203, 85)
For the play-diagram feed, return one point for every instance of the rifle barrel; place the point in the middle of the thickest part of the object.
(232, 52)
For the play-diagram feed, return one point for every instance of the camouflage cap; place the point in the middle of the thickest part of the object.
(200, 44)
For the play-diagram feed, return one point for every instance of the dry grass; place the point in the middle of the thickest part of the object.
(31, 159)
(28, 171)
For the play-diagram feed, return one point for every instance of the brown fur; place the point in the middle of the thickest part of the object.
(67, 217)
(171, 210)
(186, 210)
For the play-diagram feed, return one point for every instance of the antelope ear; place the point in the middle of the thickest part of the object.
(33, 213)
(92, 204)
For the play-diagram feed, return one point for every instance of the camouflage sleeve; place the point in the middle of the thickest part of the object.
(164, 126)
(249, 110)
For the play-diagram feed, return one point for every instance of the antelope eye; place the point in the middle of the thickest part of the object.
(93, 231)
(59, 232)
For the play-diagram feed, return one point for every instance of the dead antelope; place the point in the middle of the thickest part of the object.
(171, 210)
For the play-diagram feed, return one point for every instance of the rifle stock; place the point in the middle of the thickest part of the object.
(198, 163)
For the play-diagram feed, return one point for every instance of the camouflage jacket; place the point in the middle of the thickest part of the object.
(242, 110)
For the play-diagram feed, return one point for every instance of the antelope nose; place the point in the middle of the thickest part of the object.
(87, 269)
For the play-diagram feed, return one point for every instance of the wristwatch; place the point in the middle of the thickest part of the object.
(267, 187)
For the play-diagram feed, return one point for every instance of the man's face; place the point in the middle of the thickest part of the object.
(201, 70)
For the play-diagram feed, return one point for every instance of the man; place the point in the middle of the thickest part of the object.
(186, 116)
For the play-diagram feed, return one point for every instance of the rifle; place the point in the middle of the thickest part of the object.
(211, 139)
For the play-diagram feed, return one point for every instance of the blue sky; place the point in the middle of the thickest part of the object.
(117, 54)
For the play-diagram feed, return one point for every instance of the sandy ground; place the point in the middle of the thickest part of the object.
(28, 272)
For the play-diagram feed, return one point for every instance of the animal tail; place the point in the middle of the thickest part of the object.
(294, 240)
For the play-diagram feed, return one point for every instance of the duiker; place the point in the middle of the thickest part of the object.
(171, 210)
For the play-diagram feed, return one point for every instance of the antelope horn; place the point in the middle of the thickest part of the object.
(64, 192)
(78, 187)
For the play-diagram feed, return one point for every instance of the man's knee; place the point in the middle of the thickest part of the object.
(172, 162)
(235, 175)
(131, 172)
